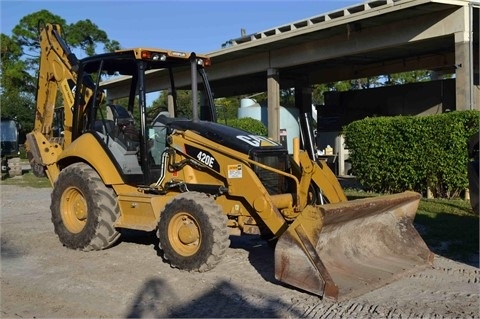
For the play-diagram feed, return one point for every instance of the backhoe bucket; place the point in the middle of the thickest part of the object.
(346, 249)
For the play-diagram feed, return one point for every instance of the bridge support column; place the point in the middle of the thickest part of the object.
(467, 93)
(463, 84)
(273, 97)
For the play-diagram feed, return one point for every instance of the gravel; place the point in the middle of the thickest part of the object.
(42, 279)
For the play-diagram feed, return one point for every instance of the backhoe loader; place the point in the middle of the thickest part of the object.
(196, 182)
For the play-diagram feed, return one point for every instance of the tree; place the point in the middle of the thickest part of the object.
(20, 53)
(12, 69)
(26, 34)
(370, 82)
(184, 101)
(319, 89)
(83, 34)
(17, 105)
(408, 77)
(227, 109)
(87, 36)
(17, 86)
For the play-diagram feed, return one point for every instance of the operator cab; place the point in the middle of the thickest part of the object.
(116, 128)
(137, 147)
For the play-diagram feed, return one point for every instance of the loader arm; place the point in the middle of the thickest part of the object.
(322, 176)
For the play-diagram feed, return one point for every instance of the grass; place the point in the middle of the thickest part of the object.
(449, 227)
(27, 179)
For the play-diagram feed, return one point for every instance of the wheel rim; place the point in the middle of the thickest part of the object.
(184, 234)
(73, 208)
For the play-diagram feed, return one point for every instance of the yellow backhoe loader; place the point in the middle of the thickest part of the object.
(196, 182)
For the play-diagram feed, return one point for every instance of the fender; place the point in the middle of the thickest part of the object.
(89, 150)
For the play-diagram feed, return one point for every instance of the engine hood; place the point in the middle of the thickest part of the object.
(230, 137)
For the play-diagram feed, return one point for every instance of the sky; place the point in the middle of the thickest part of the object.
(200, 26)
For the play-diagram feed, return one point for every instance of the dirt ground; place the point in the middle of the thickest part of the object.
(40, 278)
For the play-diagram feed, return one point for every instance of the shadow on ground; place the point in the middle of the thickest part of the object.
(157, 300)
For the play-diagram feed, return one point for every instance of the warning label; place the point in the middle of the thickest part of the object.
(235, 171)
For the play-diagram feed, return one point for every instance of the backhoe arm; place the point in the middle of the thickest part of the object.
(58, 71)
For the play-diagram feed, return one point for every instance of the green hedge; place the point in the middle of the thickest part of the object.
(250, 125)
(394, 154)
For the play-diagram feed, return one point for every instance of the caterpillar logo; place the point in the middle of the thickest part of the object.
(256, 140)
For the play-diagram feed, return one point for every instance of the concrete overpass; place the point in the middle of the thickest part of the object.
(373, 38)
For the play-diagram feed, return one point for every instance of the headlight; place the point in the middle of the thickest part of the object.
(159, 57)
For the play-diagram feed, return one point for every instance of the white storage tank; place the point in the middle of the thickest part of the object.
(289, 127)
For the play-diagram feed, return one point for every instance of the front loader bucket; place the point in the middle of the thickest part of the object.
(346, 249)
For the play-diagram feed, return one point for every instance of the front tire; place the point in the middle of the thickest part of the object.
(83, 209)
(193, 232)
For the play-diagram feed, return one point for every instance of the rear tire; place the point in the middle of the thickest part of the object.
(83, 209)
(193, 232)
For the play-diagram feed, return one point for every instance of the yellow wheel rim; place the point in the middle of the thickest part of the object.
(184, 234)
(73, 207)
